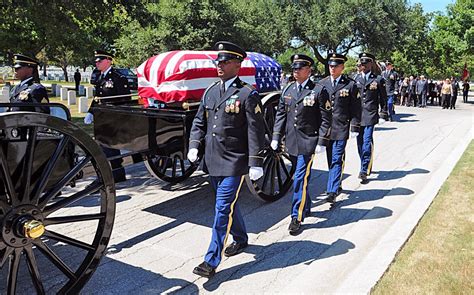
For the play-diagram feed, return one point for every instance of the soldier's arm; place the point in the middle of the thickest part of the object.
(199, 127)
(382, 95)
(355, 108)
(280, 118)
(255, 129)
(326, 116)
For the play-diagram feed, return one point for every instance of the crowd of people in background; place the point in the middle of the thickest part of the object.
(416, 91)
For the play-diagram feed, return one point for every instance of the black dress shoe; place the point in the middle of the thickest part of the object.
(204, 270)
(294, 226)
(234, 249)
(331, 198)
(363, 176)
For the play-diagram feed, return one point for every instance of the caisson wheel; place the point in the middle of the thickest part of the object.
(172, 169)
(278, 166)
(52, 235)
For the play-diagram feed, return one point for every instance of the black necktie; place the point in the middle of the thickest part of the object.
(335, 83)
(222, 89)
(300, 87)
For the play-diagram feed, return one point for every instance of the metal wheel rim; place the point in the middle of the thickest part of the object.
(48, 204)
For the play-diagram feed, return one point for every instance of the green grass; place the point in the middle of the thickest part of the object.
(439, 256)
(76, 118)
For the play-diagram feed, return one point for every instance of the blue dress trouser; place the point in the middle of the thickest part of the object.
(301, 202)
(390, 101)
(365, 146)
(227, 219)
(337, 165)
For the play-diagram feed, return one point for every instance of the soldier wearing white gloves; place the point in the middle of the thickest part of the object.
(303, 117)
(229, 123)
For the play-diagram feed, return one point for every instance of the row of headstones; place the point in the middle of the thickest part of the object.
(70, 95)
(64, 94)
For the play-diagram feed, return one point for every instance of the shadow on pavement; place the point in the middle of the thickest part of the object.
(111, 277)
(396, 174)
(275, 256)
(377, 128)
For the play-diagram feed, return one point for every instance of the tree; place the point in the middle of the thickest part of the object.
(347, 25)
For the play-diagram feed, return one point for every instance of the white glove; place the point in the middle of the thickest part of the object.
(320, 149)
(395, 92)
(255, 173)
(274, 145)
(88, 119)
(193, 155)
(354, 134)
(381, 121)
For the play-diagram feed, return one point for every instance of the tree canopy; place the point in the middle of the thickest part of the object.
(66, 32)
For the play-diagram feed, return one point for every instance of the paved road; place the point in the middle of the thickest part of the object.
(162, 231)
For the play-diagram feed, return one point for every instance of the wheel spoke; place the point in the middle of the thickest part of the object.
(283, 166)
(90, 189)
(272, 179)
(28, 163)
(49, 167)
(173, 167)
(182, 166)
(66, 179)
(7, 179)
(34, 271)
(6, 253)
(73, 218)
(68, 240)
(278, 171)
(13, 271)
(55, 259)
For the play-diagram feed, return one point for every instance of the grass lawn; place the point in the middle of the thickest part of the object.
(76, 118)
(439, 256)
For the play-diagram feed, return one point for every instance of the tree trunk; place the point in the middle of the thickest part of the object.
(64, 67)
(44, 71)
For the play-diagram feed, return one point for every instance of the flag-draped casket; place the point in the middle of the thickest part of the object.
(177, 76)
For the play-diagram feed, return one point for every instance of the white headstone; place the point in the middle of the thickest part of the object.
(53, 89)
(71, 97)
(57, 92)
(82, 90)
(5, 95)
(89, 91)
(83, 105)
(63, 93)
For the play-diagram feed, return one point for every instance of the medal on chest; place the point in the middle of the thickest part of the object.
(373, 86)
(109, 84)
(24, 94)
(308, 101)
(232, 105)
(343, 92)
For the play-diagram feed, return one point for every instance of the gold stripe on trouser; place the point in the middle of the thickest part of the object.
(342, 168)
(369, 169)
(229, 224)
(305, 184)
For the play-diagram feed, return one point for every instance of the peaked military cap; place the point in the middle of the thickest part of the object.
(365, 57)
(20, 60)
(335, 59)
(388, 62)
(300, 60)
(102, 54)
(228, 51)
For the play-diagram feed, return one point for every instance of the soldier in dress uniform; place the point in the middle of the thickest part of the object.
(29, 90)
(229, 125)
(109, 83)
(391, 86)
(303, 117)
(373, 95)
(346, 112)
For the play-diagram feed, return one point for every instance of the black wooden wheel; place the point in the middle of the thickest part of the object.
(171, 169)
(52, 235)
(278, 166)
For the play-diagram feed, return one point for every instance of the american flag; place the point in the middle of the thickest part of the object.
(184, 75)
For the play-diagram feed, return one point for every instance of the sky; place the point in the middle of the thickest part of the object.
(433, 5)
